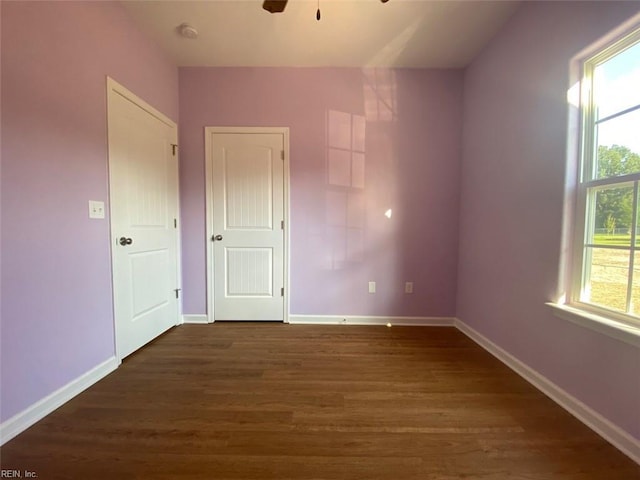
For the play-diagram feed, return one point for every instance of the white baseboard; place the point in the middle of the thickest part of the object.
(370, 320)
(195, 319)
(36, 412)
(622, 440)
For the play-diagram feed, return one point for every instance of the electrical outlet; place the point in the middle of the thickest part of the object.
(372, 287)
(96, 209)
(408, 287)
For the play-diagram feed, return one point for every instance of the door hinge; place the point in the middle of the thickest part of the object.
(282, 224)
(282, 292)
(282, 154)
(175, 223)
(174, 147)
(177, 290)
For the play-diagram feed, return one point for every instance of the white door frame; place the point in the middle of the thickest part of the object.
(114, 88)
(208, 148)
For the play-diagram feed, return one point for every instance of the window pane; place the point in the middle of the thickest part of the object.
(612, 210)
(618, 145)
(616, 82)
(606, 273)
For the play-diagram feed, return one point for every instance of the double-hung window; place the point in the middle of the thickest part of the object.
(607, 260)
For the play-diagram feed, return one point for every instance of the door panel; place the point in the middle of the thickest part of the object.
(248, 187)
(248, 211)
(148, 268)
(144, 198)
(249, 272)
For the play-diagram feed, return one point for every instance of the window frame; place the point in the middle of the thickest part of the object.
(586, 187)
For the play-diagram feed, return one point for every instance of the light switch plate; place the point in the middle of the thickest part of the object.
(372, 287)
(96, 209)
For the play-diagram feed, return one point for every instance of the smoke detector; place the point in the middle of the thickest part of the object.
(187, 31)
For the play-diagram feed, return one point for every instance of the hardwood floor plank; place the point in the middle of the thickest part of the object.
(272, 401)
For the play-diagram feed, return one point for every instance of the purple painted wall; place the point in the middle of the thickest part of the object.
(408, 122)
(56, 311)
(513, 177)
(57, 319)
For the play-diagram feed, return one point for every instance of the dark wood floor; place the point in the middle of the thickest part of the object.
(274, 401)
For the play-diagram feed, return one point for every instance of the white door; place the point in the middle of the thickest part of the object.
(143, 175)
(248, 226)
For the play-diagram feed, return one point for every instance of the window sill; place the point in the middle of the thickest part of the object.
(607, 326)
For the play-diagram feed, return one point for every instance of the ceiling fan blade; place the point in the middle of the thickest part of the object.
(274, 6)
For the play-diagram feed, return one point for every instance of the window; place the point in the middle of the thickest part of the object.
(607, 275)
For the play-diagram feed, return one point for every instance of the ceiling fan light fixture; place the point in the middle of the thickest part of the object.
(274, 6)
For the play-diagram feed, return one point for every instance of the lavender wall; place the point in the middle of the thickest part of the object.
(340, 238)
(57, 320)
(513, 177)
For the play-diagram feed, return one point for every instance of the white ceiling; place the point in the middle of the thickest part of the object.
(351, 33)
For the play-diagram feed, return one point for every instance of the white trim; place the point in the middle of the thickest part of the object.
(208, 149)
(287, 229)
(113, 86)
(36, 412)
(622, 440)
(197, 319)
(606, 326)
(370, 320)
(178, 217)
(208, 213)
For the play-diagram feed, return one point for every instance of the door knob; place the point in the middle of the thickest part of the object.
(216, 238)
(125, 241)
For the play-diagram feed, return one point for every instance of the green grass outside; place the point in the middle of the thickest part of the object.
(619, 240)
